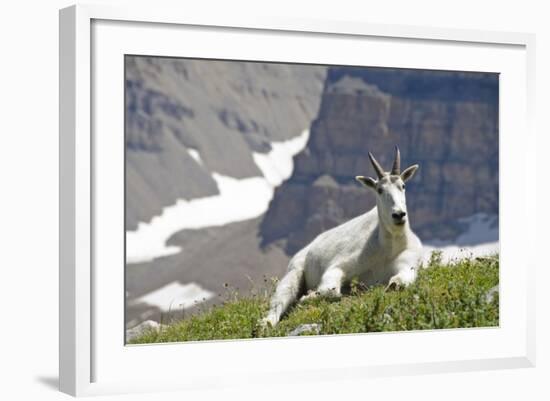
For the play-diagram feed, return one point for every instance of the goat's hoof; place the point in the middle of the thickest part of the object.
(393, 286)
(310, 295)
(266, 323)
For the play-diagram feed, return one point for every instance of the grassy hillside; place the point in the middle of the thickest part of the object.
(444, 296)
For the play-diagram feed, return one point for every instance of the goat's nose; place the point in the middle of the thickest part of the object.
(398, 215)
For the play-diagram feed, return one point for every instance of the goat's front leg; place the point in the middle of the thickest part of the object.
(330, 285)
(405, 266)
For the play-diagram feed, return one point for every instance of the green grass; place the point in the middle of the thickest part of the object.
(443, 296)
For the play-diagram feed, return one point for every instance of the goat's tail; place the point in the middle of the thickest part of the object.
(287, 291)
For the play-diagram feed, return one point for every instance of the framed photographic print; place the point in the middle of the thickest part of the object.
(292, 199)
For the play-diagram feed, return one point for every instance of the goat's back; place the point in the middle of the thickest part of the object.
(339, 246)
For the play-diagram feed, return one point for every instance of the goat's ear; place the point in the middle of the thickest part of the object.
(408, 173)
(366, 181)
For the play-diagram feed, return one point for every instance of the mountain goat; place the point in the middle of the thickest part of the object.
(377, 247)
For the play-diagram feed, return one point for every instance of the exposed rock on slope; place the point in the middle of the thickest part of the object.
(445, 121)
(188, 118)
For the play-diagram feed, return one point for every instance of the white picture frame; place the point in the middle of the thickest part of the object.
(86, 352)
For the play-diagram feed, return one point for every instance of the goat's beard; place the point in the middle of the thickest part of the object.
(395, 228)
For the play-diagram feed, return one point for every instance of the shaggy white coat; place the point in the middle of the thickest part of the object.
(377, 247)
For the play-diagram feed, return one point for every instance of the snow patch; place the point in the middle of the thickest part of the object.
(479, 239)
(194, 153)
(277, 165)
(452, 252)
(175, 296)
(238, 200)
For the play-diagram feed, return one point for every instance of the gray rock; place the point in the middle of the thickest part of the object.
(141, 328)
(490, 295)
(306, 328)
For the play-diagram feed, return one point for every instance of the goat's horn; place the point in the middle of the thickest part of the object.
(396, 169)
(377, 167)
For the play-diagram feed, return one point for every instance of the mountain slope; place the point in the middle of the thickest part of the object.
(187, 119)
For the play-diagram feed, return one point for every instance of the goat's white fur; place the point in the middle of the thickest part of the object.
(371, 247)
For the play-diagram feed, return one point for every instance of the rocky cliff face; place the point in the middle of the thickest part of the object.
(445, 121)
(188, 118)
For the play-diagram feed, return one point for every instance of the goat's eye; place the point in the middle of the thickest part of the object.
(380, 191)
(403, 187)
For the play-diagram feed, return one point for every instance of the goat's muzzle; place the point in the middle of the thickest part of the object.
(399, 218)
